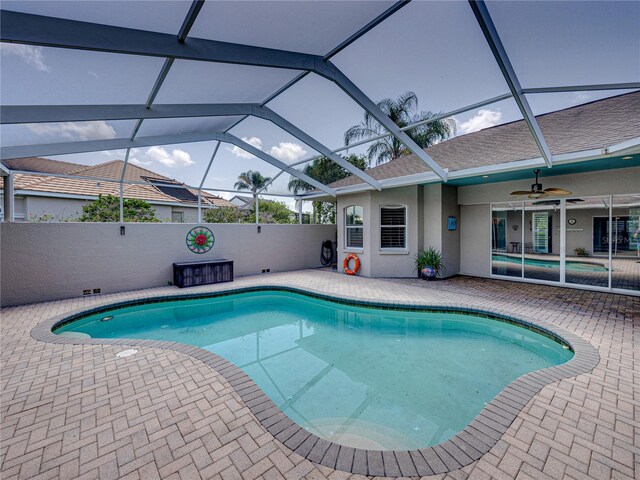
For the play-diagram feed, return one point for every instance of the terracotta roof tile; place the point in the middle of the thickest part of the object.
(108, 170)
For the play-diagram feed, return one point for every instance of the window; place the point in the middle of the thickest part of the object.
(177, 217)
(354, 233)
(393, 226)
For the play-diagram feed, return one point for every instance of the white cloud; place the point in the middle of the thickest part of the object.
(29, 54)
(177, 157)
(254, 141)
(140, 162)
(99, 130)
(287, 151)
(485, 118)
(581, 97)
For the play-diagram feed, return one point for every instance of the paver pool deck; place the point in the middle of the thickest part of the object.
(71, 411)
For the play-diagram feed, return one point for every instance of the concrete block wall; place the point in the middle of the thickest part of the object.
(49, 261)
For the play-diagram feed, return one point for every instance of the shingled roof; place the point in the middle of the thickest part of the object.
(107, 170)
(593, 125)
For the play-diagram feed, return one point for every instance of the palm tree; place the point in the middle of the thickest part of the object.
(253, 181)
(325, 171)
(402, 111)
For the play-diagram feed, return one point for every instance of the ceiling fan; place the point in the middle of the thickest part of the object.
(537, 191)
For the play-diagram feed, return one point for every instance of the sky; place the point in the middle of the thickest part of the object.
(434, 49)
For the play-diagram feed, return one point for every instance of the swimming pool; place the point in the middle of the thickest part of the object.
(534, 262)
(373, 378)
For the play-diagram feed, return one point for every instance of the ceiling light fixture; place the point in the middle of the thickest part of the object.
(485, 176)
(628, 157)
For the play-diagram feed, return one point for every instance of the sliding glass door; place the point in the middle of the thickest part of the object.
(587, 241)
(506, 239)
(625, 244)
(542, 240)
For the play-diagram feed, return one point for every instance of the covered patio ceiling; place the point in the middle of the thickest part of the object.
(159, 37)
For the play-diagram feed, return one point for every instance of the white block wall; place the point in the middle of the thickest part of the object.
(49, 261)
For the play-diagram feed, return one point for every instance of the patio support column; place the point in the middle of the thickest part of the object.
(256, 205)
(563, 240)
(121, 202)
(610, 198)
(199, 205)
(124, 171)
(300, 211)
(8, 198)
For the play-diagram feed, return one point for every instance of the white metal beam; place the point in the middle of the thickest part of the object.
(369, 26)
(495, 44)
(12, 114)
(8, 198)
(268, 114)
(206, 172)
(124, 171)
(73, 113)
(435, 118)
(23, 151)
(63, 33)
(244, 192)
(331, 72)
(194, 10)
(227, 137)
(584, 88)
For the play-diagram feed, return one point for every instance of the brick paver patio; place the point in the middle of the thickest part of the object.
(79, 411)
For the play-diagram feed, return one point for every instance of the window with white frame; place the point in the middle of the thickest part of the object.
(393, 226)
(354, 230)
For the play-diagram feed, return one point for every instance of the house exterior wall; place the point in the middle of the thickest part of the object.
(474, 239)
(49, 261)
(450, 244)
(394, 263)
(64, 209)
(428, 208)
(61, 208)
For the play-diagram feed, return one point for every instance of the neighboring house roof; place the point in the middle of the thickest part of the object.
(246, 203)
(242, 202)
(93, 188)
(594, 125)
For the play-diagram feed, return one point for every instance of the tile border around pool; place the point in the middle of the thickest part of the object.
(476, 439)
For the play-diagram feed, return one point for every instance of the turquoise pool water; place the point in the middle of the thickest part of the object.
(361, 377)
(534, 262)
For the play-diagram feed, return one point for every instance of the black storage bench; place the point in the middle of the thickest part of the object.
(205, 272)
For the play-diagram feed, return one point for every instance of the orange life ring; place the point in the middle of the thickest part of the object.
(345, 265)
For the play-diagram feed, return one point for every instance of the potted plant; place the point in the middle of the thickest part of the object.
(581, 252)
(429, 263)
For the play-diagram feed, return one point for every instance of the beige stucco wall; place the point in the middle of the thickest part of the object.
(394, 263)
(374, 261)
(427, 210)
(432, 215)
(61, 208)
(450, 238)
(48, 261)
(474, 239)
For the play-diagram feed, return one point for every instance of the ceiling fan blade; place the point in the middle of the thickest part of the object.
(538, 195)
(521, 192)
(557, 191)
